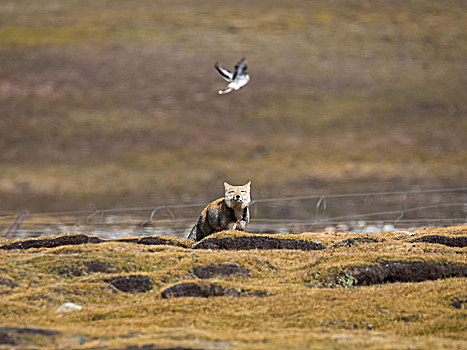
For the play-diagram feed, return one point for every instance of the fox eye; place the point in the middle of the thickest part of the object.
(230, 191)
(243, 191)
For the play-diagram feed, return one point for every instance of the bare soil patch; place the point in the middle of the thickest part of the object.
(259, 242)
(52, 242)
(405, 271)
(209, 271)
(191, 289)
(460, 242)
(76, 239)
(132, 284)
(99, 266)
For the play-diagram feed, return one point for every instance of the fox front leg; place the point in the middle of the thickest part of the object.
(241, 225)
(232, 226)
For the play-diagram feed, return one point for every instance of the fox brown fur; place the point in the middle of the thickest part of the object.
(228, 213)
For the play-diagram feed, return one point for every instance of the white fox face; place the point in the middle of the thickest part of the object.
(237, 195)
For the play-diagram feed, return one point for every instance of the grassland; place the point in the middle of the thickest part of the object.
(110, 103)
(309, 299)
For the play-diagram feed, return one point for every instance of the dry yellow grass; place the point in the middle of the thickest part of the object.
(302, 310)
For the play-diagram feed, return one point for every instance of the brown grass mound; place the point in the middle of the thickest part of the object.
(209, 271)
(132, 284)
(405, 271)
(257, 242)
(460, 242)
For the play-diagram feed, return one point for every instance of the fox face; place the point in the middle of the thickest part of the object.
(237, 196)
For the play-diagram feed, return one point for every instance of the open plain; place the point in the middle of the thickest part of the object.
(233, 290)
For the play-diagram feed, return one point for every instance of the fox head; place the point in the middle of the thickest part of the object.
(237, 196)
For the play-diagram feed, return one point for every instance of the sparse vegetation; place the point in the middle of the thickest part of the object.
(113, 103)
(282, 298)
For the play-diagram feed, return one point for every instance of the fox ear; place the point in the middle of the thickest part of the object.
(248, 184)
(226, 185)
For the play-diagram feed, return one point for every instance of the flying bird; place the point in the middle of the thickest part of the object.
(238, 79)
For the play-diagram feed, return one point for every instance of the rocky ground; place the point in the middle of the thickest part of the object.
(236, 290)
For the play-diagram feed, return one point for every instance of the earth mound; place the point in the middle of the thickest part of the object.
(191, 289)
(73, 239)
(405, 271)
(459, 242)
(255, 242)
(132, 284)
(209, 271)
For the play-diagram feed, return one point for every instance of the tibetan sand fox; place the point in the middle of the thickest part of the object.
(228, 213)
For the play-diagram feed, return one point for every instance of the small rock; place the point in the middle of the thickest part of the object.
(69, 307)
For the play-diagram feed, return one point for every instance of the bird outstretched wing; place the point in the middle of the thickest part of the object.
(226, 74)
(240, 68)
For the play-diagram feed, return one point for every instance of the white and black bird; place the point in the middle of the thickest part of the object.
(238, 79)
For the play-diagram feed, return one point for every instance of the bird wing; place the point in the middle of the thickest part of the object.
(240, 68)
(226, 74)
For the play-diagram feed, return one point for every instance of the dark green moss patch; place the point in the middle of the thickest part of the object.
(190, 289)
(404, 271)
(257, 242)
(132, 284)
(460, 242)
(209, 271)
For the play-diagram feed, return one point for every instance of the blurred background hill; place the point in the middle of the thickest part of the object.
(114, 103)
